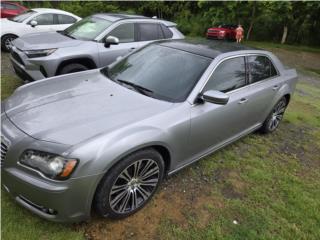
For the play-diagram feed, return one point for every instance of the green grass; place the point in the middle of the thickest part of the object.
(296, 48)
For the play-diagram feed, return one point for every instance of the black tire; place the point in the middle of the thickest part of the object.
(274, 118)
(72, 68)
(109, 204)
(5, 42)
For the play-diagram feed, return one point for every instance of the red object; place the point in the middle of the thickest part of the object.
(11, 9)
(225, 31)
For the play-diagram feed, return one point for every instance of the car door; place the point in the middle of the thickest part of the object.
(212, 125)
(64, 21)
(263, 85)
(45, 22)
(125, 32)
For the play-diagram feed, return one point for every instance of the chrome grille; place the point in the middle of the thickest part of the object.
(213, 31)
(4, 150)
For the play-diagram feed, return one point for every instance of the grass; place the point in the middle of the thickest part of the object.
(296, 48)
(269, 185)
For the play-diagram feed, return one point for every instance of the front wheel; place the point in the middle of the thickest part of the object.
(72, 68)
(6, 42)
(275, 117)
(130, 184)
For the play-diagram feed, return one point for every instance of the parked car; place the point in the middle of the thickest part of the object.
(106, 138)
(224, 31)
(34, 21)
(11, 9)
(93, 42)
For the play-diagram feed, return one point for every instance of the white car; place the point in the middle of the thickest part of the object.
(33, 21)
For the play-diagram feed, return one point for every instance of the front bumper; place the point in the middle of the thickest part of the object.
(60, 201)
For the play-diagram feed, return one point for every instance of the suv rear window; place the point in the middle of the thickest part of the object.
(260, 68)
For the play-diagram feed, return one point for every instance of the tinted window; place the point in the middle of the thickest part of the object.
(150, 31)
(229, 75)
(166, 31)
(260, 67)
(125, 32)
(65, 19)
(44, 19)
(10, 6)
(169, 74)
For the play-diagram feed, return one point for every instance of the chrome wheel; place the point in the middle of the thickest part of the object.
(277, 115)
(134, 186)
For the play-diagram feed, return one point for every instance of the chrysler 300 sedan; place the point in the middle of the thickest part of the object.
(104, 139)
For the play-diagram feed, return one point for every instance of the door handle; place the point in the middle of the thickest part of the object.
(275, 87)
(131, 49)
(243, 100)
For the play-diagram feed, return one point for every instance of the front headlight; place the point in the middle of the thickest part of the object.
(51, 165)
(39, 53)
(222, 32)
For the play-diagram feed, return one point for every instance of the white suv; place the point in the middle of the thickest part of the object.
(33, 21)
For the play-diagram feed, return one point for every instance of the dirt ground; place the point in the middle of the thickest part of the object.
(189, 192)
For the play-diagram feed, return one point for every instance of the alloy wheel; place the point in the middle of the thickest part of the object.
(277, 115)
(134, 186)
(8, 43)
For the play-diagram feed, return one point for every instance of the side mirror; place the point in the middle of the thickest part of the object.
(111, 40)
(33, 23)
(216, 97)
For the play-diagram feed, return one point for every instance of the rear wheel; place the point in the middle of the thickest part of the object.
(129, 185)
(273, 120)
(6, 42)
(73, 67)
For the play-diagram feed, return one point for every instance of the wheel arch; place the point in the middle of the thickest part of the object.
(86, 61)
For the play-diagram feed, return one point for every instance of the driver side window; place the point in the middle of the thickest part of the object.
(228, 76)
(44, 19)
(124, 32)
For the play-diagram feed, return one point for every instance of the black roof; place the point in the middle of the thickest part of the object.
(203, 47)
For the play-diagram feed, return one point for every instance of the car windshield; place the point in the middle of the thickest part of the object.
(160, 72)
(23, 16)
(88, 28)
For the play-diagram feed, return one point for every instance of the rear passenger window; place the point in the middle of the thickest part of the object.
(166, 31)
(65, 19)
(124, 32)
(260, 67)
(229, 75)
(149, 31)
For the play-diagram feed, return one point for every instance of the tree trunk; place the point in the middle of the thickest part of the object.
(284, 35)
(252, 21)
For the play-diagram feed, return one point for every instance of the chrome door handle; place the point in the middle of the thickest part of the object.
(243, 100)
(275, 87)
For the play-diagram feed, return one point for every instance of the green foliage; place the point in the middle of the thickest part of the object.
(266, 18)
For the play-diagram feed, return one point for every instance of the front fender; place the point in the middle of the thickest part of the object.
(101, 153)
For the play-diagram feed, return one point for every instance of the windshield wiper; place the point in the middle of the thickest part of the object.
(138, 88)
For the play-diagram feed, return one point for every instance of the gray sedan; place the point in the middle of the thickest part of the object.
(106, 138)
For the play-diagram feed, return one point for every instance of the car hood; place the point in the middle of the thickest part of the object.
(45, 40)
(72, 108)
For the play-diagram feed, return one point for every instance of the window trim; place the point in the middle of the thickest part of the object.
(246, 69)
